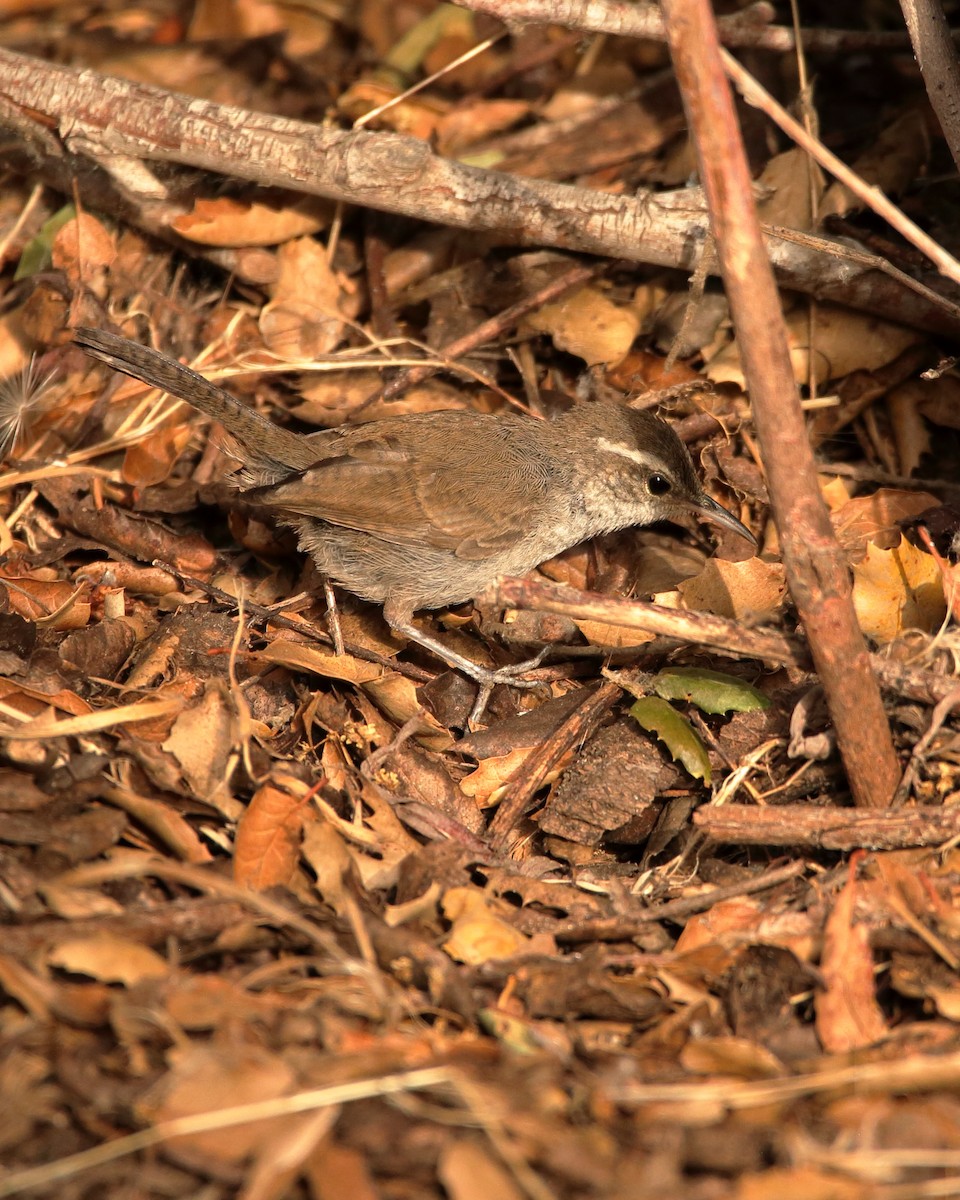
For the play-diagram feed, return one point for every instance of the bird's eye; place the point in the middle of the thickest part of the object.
(658, 485)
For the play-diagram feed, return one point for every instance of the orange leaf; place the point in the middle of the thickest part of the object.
(848, 1015)
(268, 839)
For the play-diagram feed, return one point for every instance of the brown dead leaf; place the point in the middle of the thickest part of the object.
(487, 781)
(225, 221)
(267, 844)
(470, 123)
(478, 935)
(848, 1016)
(419, 115)
(206, 1078)
(328, 855)
(877, 518)
(151, 460)
(896, 590)
(300, 656)
(588, 324)
(81, 247)
(795, 183)
(469, 1172)
(56, 603)
(744, 591)
(844, 341)
(305, 317)
(198, 1002)
(76, 904)
(613, 637)
(731, 1056)
(109, 959)
(910, 433)
(893, 161)
(201, 740)
(801, 1183)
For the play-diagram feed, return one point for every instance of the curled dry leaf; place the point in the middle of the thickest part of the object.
(848, 1015)
(55, 603)
(876, 519)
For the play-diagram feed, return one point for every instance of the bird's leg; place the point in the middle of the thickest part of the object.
(400, 620)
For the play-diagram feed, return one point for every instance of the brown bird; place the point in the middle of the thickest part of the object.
(426, 510)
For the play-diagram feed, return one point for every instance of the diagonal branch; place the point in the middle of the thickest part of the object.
(816, 568)
(109, 128)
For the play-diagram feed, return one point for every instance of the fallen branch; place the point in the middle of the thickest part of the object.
(109, 129)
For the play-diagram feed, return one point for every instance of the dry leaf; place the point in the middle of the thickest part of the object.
(150, 460)
(478, 935)
(468, 1171)
(848, 1015)
(304, 319)
(485, 784)
(877, 518)
(206, 1078)
(81, 247)
(749, 590)
(895, 590)
(892, 163)
(201, 740)
(327, 852)
(225, 221)
(109, 959)
(910, 433)
(795, 183)
(267, 844)
(588, 324)
(844, 341)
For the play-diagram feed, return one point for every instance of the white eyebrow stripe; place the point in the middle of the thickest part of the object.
(637, 456)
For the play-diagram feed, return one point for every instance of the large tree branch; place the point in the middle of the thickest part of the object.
(108, 128)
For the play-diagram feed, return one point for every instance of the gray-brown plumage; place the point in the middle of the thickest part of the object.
(426, 510)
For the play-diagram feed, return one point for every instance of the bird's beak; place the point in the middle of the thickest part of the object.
(710, 510)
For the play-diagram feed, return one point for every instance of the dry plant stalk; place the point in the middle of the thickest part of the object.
(817, 570)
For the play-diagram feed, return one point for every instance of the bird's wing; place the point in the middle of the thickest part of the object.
(391, 484)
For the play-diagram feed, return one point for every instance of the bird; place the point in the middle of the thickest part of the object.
(426, 510)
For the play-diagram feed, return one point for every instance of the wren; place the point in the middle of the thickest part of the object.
(426, 510)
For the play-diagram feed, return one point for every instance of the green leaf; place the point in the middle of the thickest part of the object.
(712, 691)
(676, 733)
(36, 254)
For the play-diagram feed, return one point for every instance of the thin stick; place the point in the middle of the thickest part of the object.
(817, 571)
(758, 96)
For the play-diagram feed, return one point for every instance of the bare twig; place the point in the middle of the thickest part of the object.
(701, 629)
(817, 571)
(828, 828)
(615, 929)
(937, 59)
(750, 27)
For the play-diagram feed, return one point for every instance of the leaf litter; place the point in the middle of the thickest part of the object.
(259, 936)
